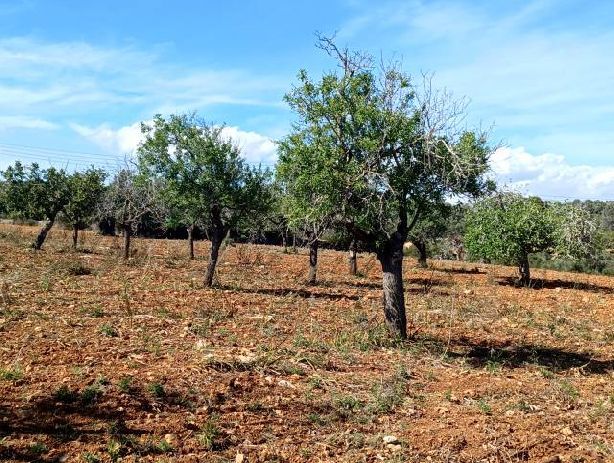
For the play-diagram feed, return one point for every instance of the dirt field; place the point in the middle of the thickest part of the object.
(106, 361)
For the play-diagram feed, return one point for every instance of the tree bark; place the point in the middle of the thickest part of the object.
(75, 235)
(421, 247)
(127, 236)
(390, 256)
(42, 235)
(352, 262)
(313, 261)
(284, 241)
(293, 243)
(191, 241)
(523, 271)
(217, 234)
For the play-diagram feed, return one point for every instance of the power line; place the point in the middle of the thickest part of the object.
(55, 156)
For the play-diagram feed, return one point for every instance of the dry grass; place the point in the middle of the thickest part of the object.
(137, 362)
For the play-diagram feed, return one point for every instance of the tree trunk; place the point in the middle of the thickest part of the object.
(191, 241)
(217, 235)
(75, 235)
(523, 271)
(127, 236)
(216, 243)
(42, 235)
(313, 261)
(353, 264)
(391, 259)
(284, 241)
(293, 243)
(421, 247)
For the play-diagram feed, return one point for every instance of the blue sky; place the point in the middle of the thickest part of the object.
(76, 77)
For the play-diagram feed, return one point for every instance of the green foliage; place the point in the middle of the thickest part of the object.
(14, 373)
(203, 175)
(209, 434)
(86, 192)
(370, 148)
(35, 193)
(507, 227)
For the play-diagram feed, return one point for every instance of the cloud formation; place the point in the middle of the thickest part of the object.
(77, 80)
(25, 122)
(122, 141)
(551, 176)
(255, 147)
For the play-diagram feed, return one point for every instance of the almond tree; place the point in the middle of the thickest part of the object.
(432, 224)
(86, 193)
(507, 228)
(383, 149)
(34, 193)
(205, 173)
(128, 199)
(310, 192)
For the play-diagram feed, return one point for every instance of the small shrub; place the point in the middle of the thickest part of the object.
(484, 407)
(14, 373)
(91, 394)
(568, 391)
(65, 395)
(125, 384)
(109, 330)
(38, 448)
(114, 449)
(164, 446)
(157, 390)
(208, 435)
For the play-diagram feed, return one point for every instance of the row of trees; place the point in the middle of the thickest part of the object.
(29, 192)
(372, 155)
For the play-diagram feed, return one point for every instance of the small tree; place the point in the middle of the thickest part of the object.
(36, 194)
(431, 225)
(507, 228)
(206, 173)
(311, 194)
(578, 236)
(86, 193)
(128, 199)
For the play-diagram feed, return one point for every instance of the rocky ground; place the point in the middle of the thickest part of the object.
(102, 360)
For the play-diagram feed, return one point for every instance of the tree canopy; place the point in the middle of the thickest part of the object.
(204, 175)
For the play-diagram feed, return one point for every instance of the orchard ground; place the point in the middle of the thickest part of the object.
(102, 360)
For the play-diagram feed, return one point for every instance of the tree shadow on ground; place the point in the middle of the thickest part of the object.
(463, 271)
(510, 355)
(363, 284)
(427, 281)
(300, 292)
(539, 283)
(74, 421)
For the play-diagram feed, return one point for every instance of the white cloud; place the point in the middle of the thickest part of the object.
(120, 141)
(76, 79)
(551, 176)
(255, 147)
(25, 122)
